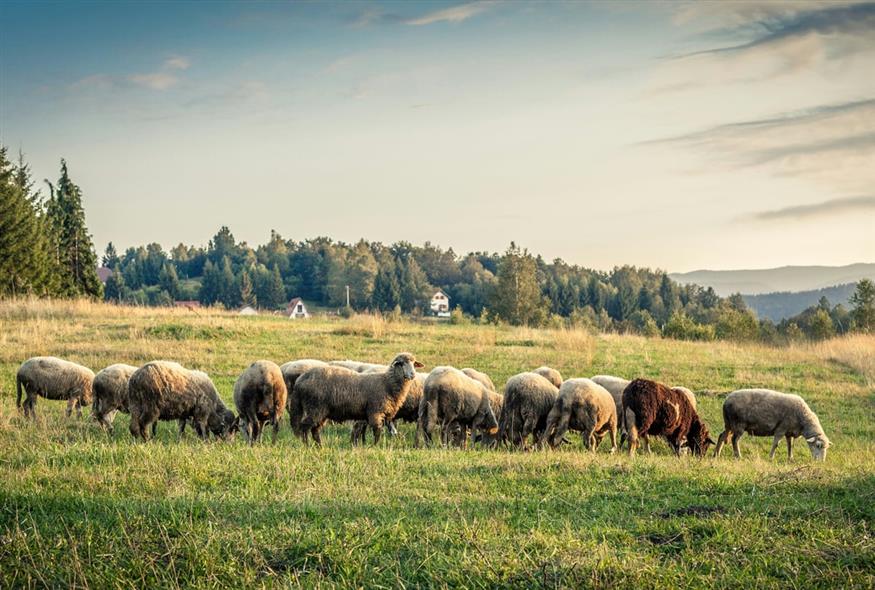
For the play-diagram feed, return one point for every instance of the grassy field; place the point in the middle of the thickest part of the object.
(80, 508)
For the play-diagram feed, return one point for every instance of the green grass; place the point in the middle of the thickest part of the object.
(80, 508)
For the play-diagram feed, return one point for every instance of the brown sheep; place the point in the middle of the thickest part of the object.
(336, 393)
(456, 401)
(260, 396)
(654, 409)
(291, 372)
(408, 412)
(53, 378)
(586, 406)
(168, 391)
(528, 399)
(481, 377)
(111, 393)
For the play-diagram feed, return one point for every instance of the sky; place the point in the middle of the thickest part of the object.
(671, 135)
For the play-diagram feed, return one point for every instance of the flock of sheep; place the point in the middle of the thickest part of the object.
(536, 408)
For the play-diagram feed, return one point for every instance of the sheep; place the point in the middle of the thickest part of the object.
(653, 408)
(615, 386)
(481, 377)
(583, 405)
(763, 412)
(357, 366)
(53, 378)
(291, 371)
(335, 393)
(111, 393)
(408, 412)
(550, 374)
(168, 391)
(260, 396)
(528, 399)
(456, 401)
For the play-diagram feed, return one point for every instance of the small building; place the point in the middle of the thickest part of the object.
(296, 309)
(440, 304)
(189, 304)
(248, 310)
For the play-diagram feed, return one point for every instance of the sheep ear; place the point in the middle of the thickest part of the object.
(811, 440)
(418, 364)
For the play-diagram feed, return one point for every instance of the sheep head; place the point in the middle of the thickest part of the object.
(223, 423)
(404, 365)
(818, 446)
(698, 439)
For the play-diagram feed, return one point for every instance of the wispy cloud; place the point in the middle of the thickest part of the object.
(163, 78)
(453, 14)
(825, 208)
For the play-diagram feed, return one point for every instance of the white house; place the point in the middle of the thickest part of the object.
(440, 304)
(296, 309)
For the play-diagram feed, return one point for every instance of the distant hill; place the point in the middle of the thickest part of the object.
(777, 306)
(777, 280)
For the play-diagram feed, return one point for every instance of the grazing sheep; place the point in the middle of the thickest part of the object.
(481, 377)
(111, 393)
(336, 393)
(291, 371)
(260, 396)
(654, 409)
(168, 391)
(408, 412)
(763, 412)
(357, 366)
(528, 399)
(583, 405)
(53, 378)
(550, 374)
(457, 401)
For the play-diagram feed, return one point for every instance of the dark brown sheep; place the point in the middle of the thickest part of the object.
(111, 393)
(655, 409)
(53, 378)
(336, 393)
(168, 391)
(408, 412)
(260, 397)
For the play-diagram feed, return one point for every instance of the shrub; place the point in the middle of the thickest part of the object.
(681, 327)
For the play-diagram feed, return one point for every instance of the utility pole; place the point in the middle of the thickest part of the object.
(347, 295)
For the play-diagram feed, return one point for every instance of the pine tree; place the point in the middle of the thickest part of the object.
(115, 289)
(863, 300)
(24, 255)
(247, 293)
(210, 284)
(276, 292)
(387, 293)
(110, 257)
(75, 250)
(168, 280)
(230, 294)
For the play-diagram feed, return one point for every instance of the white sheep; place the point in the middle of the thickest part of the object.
(763, 412)
(53, 378)
(586, 406)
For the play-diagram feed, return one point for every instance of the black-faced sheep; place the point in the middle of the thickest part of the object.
(111, 393)
(528, 399)
(291, 372)
(457, 403)
(585, 406)
(763, 412)
(260, 397)
(336, 393)
(168, 391)
(654, 409)
(53, 378)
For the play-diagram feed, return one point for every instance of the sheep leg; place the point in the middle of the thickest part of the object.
(613, 433)
(789, 447)
(181, 427)
(275, 422)
(316, 433)
(78, 409)
(528, 428)
(71, 403)
(775, 442)
(631, 431)
(721, 440)
(376, 423)
(646, 440)
(359, 431)
(735, 447)
(256, 430)
(390, 426)
(154, 427)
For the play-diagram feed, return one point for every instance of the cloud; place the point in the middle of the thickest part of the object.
(856, 22)
(164, 77)
(453, 14)
(831, 207)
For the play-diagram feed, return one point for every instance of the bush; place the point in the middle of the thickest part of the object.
(644, 324)
(458, 317)
(681, 327)
(732, 324)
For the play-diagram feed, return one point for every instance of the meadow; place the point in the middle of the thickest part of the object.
(83, 508)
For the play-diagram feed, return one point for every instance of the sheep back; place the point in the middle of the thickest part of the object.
(260, 391)
(550, 374)
(55, 378)
(111, 389)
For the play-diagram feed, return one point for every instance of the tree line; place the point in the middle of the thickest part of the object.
(47, 251)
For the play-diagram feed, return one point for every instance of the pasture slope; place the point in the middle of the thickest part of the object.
(80, 508)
